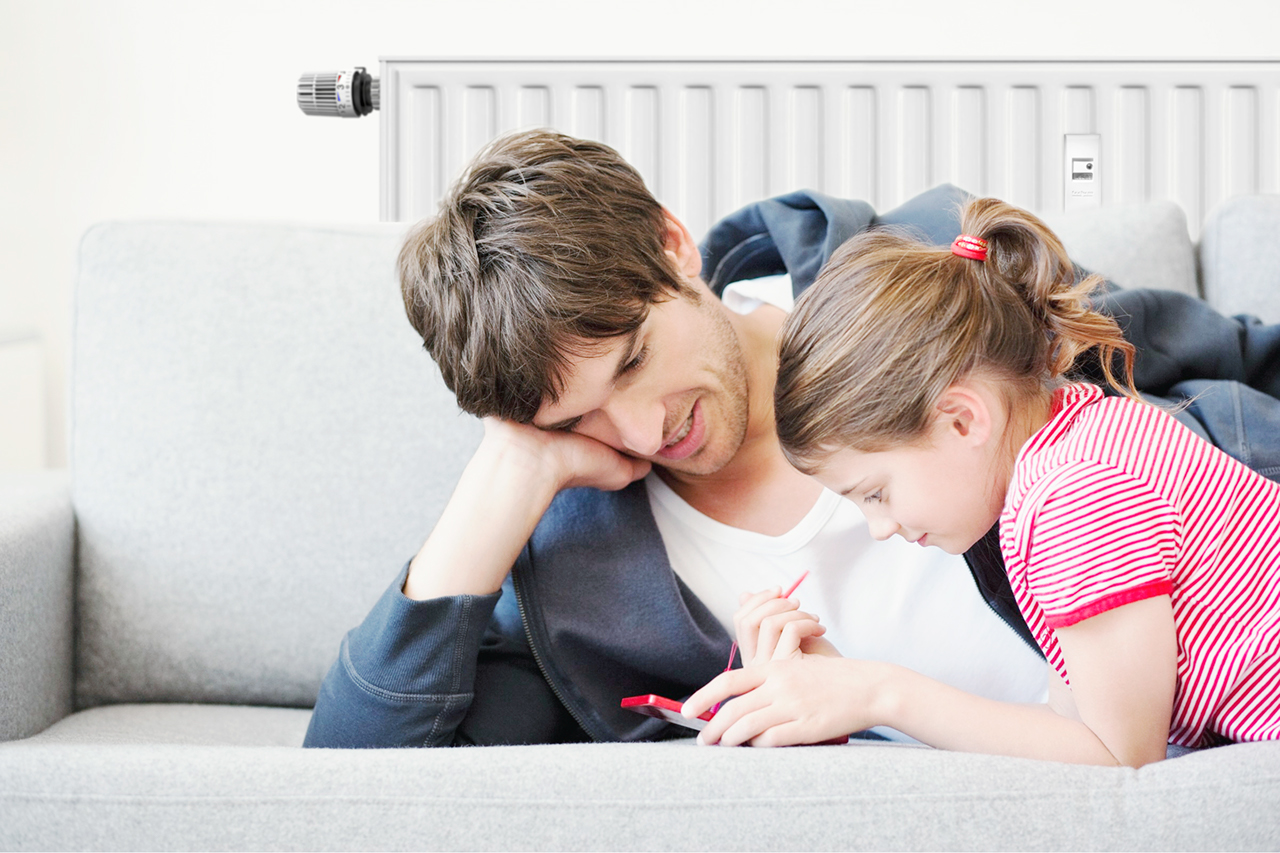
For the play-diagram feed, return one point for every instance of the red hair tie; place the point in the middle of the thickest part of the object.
(966, 246)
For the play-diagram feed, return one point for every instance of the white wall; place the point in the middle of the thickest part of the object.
(185, 108)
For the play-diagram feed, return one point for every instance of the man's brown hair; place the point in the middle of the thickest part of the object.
(545, 246)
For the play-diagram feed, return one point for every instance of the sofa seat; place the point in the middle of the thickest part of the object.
(205, 776)
(177, 777)
(177, 725)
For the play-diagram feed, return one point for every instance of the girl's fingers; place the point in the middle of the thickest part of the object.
(793, 634)
(749, 624)
(730, 715)
(788, 733)
(720, 688)
(772, 628)
(755, 725)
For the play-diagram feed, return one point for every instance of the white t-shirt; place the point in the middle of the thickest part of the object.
(889, 601)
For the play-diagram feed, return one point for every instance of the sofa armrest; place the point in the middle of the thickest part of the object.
(37, 595)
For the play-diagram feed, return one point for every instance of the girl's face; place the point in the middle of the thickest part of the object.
(946, 493)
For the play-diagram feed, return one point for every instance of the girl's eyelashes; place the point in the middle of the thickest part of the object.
(874, 497)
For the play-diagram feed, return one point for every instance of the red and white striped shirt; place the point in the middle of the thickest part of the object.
(1114, 501)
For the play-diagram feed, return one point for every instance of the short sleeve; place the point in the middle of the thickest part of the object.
(1093, 538)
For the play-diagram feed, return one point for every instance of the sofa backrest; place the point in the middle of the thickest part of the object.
(1240, 257)
(1143, 245)
(258, 444)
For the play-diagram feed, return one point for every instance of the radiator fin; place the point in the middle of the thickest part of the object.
(710, 136)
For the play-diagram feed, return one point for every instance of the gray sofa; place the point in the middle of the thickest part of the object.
(258, 443)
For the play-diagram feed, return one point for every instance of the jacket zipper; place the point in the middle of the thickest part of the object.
(542, 667)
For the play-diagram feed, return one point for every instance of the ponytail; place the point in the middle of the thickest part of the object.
(890, 323)
(1029, 258)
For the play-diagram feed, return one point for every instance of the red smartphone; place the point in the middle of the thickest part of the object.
(653, 705)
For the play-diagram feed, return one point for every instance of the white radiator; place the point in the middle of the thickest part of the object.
(710, 136)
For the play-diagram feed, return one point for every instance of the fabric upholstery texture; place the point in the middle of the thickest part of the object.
(130, 792)
(1240, 257)
(1134, 245)
(258, 444)
(36, 595)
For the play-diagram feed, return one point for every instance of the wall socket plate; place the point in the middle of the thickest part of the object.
(1082, 170)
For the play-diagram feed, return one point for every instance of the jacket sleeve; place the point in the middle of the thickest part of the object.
(447, 671)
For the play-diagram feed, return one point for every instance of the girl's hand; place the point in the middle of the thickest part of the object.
(769, 627)
(807, 700)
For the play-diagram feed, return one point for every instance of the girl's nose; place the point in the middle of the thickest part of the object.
(881, 528)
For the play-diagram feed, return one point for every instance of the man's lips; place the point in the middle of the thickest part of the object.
(690, 434)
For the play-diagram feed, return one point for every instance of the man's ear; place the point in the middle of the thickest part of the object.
(965, 413)
(680, 245)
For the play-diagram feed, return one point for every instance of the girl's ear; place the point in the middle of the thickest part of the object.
(966, 414)
(681, 246)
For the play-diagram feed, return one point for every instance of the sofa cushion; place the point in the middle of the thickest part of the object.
(666, 796)
(258, 443)
(1240, 257)
(1134, 245)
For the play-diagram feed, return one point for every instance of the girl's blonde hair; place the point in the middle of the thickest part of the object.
(891, 323)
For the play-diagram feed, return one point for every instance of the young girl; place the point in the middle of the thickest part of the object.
(930, 386)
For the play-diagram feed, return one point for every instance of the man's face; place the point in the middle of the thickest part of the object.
(930, 495)
(674, 394)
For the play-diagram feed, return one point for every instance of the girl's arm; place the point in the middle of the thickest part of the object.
(1123, 665)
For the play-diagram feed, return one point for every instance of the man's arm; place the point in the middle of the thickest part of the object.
(503, 492)
(441, 649)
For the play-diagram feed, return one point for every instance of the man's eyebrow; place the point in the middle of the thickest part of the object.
(626, 354)
(562, 425)
(628, 351)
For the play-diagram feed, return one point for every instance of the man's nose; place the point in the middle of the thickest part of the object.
(639, 426)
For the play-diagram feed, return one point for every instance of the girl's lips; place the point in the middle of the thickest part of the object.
(692, 440)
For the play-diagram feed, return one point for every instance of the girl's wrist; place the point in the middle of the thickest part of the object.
(876, 692)
(888, 686)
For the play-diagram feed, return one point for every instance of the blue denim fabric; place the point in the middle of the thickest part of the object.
(1242, 421)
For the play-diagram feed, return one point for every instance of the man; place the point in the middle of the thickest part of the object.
(629, 485)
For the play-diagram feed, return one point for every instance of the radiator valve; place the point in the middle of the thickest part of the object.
(347, 94)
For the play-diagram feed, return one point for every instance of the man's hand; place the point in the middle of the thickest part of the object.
(564, 459)
(503, 493)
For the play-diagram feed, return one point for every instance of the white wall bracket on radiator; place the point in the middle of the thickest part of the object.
(1082, 170)
(711, 135)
